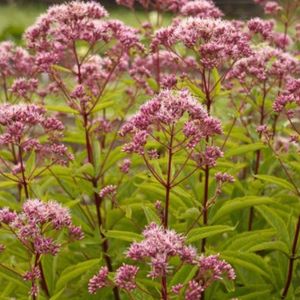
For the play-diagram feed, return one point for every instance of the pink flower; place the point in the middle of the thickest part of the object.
(272, 8)
(29, 225)
(98, 281)
(109, 190)
(224, 177)
(23, 124)
(194, 290)
(201, 9)
(160, 5)
(125, 277)
(125, 166)
(166, 109)
(159, 245)
(291, 94)
(212, 268)
(214, 41)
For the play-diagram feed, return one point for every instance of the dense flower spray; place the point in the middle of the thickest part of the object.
(34, 227)
(214, 42)
(159, 5)
(157, 248)
(27, 129)
(169, 124)
(201, 9)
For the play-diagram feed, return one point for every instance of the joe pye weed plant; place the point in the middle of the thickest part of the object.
(156, 162)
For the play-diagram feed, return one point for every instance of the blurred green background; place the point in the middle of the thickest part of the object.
(16, 15)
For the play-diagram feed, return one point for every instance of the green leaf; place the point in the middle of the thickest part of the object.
(183, 275)
(123, 235)
(240, 203)
(249, 261)
(61, 68)
(102, 105)
(62, 108)
(273, 245)
(73, 272)
(276, 180)
(57, 295)
(197, 234)
(270, 215)
(7, 184)
(151, 216)
(244, 149)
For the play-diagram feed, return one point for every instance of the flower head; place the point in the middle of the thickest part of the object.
(29, 223)
(98, 281)
(125, 277)
(169, 108)
(201, 9)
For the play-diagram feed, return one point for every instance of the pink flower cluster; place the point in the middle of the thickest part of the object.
(270, 7)
(201, 9)
(265, 28)
(214, 41)
(265, 64)
(14, 61)
(55, 33)
(125, 166)
(124, 279)
(291, 94)
(23, 124)
(159, 245)
(109, 190)
(165, 109)
(159, 5)
(37, 220)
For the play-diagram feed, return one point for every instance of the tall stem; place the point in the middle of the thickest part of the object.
(205, 200)
(24, 182)
(258, 153)
(206, 172)
(169, 179)
(43, 280)
(98, 201)
(164, 290)
(291, 261)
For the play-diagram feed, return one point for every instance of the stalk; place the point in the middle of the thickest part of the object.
(258, 153)
(24, 182)
(291, 261)
(169, 180)
(97, 198)
(206, 171)
(98, 201)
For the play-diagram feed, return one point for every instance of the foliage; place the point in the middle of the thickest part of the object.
(160, 161)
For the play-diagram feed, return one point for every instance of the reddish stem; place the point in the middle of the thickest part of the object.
(291, 261)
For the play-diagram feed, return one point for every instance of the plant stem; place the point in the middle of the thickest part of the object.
(24, 182)
(164, 291)
(98, 201)
(291, 261)
(258, 152)
(43, 280)
(169, 180)
(205, 200)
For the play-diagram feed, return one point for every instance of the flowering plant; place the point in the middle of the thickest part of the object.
(152, 161)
